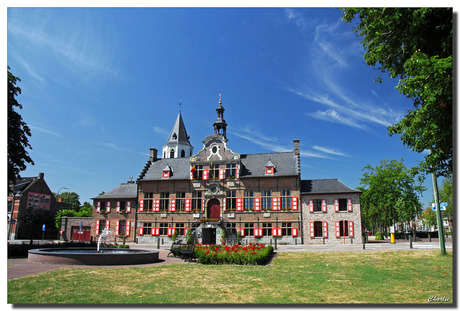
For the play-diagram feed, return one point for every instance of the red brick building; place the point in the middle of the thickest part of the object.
(215, 190)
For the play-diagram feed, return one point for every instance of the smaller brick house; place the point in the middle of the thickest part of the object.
(29, 195)
(76, 228)
(332, 213)
(116, 210)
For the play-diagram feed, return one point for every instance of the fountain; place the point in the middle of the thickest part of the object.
(93, 256)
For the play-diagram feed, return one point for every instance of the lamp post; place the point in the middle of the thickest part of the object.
(60, 199)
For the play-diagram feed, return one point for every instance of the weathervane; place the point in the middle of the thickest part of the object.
(180, 104)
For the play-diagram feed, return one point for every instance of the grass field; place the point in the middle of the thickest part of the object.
(292, 278)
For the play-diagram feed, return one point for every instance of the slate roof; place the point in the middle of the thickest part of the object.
(253, 165)
(324, 186)
(181, 136)
(180, 168)
(123, 191)
(22, 183)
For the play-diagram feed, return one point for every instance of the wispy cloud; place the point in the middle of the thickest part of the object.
(81, 48)
(335, 117)
(270, 143)
(330, 151)
(160, 130)
(44, 130)
(119, 148)
(26, 65)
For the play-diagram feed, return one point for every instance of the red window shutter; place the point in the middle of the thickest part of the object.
(310, 206)
(324, 229)
(337, 229)
(294, 231)
(155, 231)
(188, 205)
(295, 204)
(108, 206)
(206, 174)
(98, 208)
(165, 174)
(117, 227)
(237, 175)
(258, 232)
(107, 224)
(336, 205)
(141, 205)
(350, 229)
(257, 204)
(185, 231)
(118, 206)
(312, 229)
(349, 205)
(280, 232)
(224, 204)
(97, 227)
(323, 206)
(172, 205)
(156, 205)
(239, 204)
(128, 227)
(222, 173)
(202, 205)
(128, 207)
(269, 170)
(141, 231)
(276, 203)
(170, 231)
(242, 231)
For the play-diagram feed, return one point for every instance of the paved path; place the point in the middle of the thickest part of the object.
(21, 267)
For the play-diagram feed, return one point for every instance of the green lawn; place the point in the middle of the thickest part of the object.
(292, 277)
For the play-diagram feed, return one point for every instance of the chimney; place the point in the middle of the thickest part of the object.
(153, 154)
(41, 175)
(297, 153)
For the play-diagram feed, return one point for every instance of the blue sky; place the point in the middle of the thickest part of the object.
(100, 86)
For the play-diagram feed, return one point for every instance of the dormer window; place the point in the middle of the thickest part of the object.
(269, 168)
(166, 172)
(174, 136)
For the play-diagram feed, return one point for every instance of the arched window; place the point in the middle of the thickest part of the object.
(171, 153)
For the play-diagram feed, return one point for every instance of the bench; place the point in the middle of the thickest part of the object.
(175, 249)
(187, 252)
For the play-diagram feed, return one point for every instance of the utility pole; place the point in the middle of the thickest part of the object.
(438, 214)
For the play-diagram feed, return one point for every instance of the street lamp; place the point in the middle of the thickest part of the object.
(60, 199)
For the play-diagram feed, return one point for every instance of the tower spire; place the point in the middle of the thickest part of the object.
(220, 126)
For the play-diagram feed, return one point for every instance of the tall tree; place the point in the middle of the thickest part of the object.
(18, 133)
(71, 198)
(415, 45)
(390, 194)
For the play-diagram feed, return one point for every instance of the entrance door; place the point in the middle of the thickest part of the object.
(214, 208)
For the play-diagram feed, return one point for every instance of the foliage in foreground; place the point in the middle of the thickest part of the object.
(398, 277)
(252, 254)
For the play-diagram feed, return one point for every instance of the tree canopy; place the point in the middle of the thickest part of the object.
(71, 198)
(414, 45)
(390, 194)
(18, 133)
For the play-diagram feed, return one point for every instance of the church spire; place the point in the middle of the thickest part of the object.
(220, 126)
(178, 143)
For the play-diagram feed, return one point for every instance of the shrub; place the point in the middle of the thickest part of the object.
(252, 254)
(379, 236)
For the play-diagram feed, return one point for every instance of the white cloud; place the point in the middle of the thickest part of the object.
(160, 130)
(118, 148)
(44, 130)
(330, 151)
(335, 117)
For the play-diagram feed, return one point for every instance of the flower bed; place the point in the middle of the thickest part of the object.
(252, 254)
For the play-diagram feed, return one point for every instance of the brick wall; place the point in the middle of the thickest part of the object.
(331, 217)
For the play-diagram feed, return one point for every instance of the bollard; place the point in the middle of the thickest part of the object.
(410, 241)
(158, 243)
(275, 244)
(429, 236)
(364, 245)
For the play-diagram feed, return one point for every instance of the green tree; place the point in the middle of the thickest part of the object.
(18, 133)
(428, 217)
(71, 198)
(415, 46)
(390, 194)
